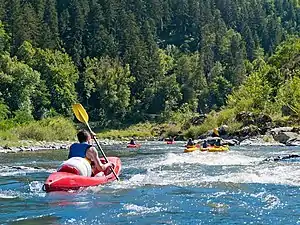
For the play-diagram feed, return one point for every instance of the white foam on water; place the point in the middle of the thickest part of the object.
(206, 158)
(35, 191)
(136, 210)
(6, 171)
(281, 175)
(35, 186)
(183, 170)
(9, 194)
(4, 195)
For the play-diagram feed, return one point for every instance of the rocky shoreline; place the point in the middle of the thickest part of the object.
(259, 129)
(31, 146)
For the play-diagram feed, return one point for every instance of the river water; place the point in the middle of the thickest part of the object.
(159, 185)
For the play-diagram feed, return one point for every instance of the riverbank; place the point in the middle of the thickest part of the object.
(31, 146)
(244, 129)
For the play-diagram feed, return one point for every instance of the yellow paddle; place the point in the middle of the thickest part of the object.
(83, 117)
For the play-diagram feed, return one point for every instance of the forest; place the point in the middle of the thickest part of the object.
(133, 61)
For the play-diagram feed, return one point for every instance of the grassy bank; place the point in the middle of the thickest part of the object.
(50, 129)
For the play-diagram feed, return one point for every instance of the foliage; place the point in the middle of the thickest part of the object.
(106, 85)
(136, 131)
(128, 60)
(181, 116)
(289, 95)
(59, 76)
(253, 95)
(56, 128)
(4, 111)
(6, 135)
(18, 83)
(4, 39)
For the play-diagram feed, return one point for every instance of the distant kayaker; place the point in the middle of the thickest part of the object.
(84, 149)
(190, 142)
(205, 145)
(218, 143)
(132, 142)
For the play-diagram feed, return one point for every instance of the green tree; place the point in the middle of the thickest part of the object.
(18, 83)
(49, 34)
(59, 74)
(253, 95)
(4, 39)
(289, 95)
(106, 88)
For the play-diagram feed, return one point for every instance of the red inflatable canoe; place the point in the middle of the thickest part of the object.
(133, 146)
(170, 142)
(65, 181)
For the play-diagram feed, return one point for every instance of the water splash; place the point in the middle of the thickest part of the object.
(6, 171)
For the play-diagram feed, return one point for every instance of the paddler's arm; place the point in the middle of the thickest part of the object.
(92, 154)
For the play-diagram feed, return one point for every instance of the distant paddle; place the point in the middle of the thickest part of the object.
(83, 117)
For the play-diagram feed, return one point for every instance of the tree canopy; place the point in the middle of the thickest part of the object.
(124, 60)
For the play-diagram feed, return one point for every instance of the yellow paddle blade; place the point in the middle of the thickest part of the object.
(80, 113)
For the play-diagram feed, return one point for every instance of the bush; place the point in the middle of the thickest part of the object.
(139, 130)
(213, 120)
(8, 136)
(234, 126)
(7, 124)
(172, 131)
(22, 117)
(50, 129)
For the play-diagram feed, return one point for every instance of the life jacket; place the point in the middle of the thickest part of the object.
(78, 150)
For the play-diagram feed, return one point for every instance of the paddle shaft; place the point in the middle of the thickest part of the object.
(102, 152)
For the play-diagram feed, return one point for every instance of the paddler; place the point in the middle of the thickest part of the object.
(84, 149)
(205, 145)
(190, 143)
(132, 142)
(218, 143)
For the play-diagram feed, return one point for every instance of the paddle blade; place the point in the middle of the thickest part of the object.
(80, 113)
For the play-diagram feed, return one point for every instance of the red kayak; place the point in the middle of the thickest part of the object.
(170, 142)
(65, 181)
(133, 146)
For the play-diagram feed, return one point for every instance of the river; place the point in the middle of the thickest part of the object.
(159, 185)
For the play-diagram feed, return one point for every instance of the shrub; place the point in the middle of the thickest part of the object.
(8, 136)
(139, 130)
(49, 129)
(172, 131)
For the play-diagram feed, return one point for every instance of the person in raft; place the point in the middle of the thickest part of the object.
(190, 143)
(84, 155)
(205, 145)
(132, 142)
(218, 143)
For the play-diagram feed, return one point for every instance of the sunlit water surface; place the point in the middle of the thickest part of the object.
(159, 185)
